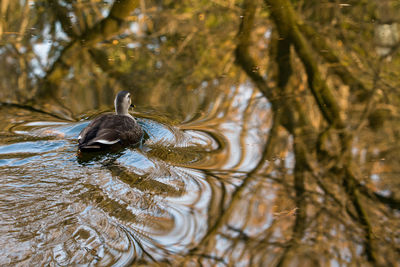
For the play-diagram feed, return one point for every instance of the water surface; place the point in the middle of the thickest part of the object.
(61, 207)
(264, 146)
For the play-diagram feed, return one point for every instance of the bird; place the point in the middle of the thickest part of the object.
(112, 130)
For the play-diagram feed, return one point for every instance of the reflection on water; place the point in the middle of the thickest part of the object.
(200, 190)
(138, 204)
(304, 174)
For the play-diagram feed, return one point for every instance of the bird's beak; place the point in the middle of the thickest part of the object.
(132, 106)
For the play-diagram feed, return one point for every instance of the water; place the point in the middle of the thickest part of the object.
(60, 207)
(224, 177)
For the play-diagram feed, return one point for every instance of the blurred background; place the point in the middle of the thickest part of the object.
(272, 130)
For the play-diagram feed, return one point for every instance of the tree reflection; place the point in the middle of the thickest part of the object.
(308, 172)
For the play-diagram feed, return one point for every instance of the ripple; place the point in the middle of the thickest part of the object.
(138, 204)
(31, 147)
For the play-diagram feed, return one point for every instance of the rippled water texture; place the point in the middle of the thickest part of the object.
(272, 133)
(143, 204)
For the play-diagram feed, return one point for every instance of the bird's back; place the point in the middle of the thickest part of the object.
(110, 129)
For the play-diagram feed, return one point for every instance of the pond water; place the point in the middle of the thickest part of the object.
(60, 207)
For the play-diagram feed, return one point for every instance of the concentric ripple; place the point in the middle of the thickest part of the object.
(111, 209)
(139, 205)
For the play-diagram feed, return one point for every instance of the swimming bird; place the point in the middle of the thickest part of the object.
(111, 130)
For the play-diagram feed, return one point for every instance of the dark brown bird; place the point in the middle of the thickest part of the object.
(111, 130)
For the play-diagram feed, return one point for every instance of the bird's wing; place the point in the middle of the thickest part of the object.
(90, 131)
(106, 136)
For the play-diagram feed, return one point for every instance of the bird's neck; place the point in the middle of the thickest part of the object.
(124, 113)
(119, 109)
